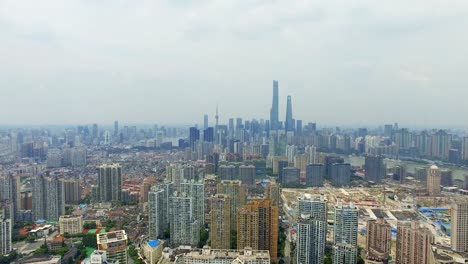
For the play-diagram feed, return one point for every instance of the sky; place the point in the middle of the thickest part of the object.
(172, 61)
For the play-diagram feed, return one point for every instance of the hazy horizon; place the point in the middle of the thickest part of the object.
(363, 63)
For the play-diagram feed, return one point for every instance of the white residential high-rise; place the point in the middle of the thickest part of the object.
(345, 234)
(311, 152)
(459, 217)
(311, 240)
(158, 202)
(195, 190)
(183, 228)
(315, 207)
(5, 236)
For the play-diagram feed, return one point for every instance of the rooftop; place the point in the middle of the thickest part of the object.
(154, 243)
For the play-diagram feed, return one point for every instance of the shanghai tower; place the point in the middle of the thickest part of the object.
(274, 113)
(289, 125)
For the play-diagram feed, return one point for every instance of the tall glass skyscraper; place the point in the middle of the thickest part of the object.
(289, 122)
(274, 112)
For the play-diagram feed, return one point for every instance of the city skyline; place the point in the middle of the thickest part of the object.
(171, 62)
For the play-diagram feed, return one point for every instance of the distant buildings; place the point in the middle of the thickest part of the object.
(227, 172)
(115, 245)
(289, 123)
(433, 181)
(110, 183)
(247, 174)
(374, 169)
(340, 174)
(257, 227)
(314, 175)
(274, 112)
(291, 177)
(413, 243)
(70, 224)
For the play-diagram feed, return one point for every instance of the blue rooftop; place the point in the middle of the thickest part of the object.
(154, 243)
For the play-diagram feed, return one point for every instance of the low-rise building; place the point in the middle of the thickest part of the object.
(70, 224)
(152, 251)
(223, 256)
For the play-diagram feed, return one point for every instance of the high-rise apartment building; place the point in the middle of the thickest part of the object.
(70, 224)
(72, 191)
(379, 240)
(257, 227)
(441, 143)
(315, 207)
(220, 216)
(291, 177)
(227, 172)
(413, 243)
(314, 175)
(158, 212)
(459, 218)
(311, 240)
(247, 174)
(238, 193)
(196, 191)
(465, 149)
(5, 236)
(433, 180)
(274, 112)
(48, 198)
(345, 233)
(184, 229)
(10, 191)
(115, 245)
(344, 253)
(340, 174)
(110, 183)
(273, 193)
(374, 169)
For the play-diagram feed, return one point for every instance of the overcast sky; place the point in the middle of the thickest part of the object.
(171, 61)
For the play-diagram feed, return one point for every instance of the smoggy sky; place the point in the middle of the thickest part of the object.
(171, 61)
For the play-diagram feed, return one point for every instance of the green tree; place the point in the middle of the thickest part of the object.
(89, 240)
(90, 225)
(204, 235)
(234, 239)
